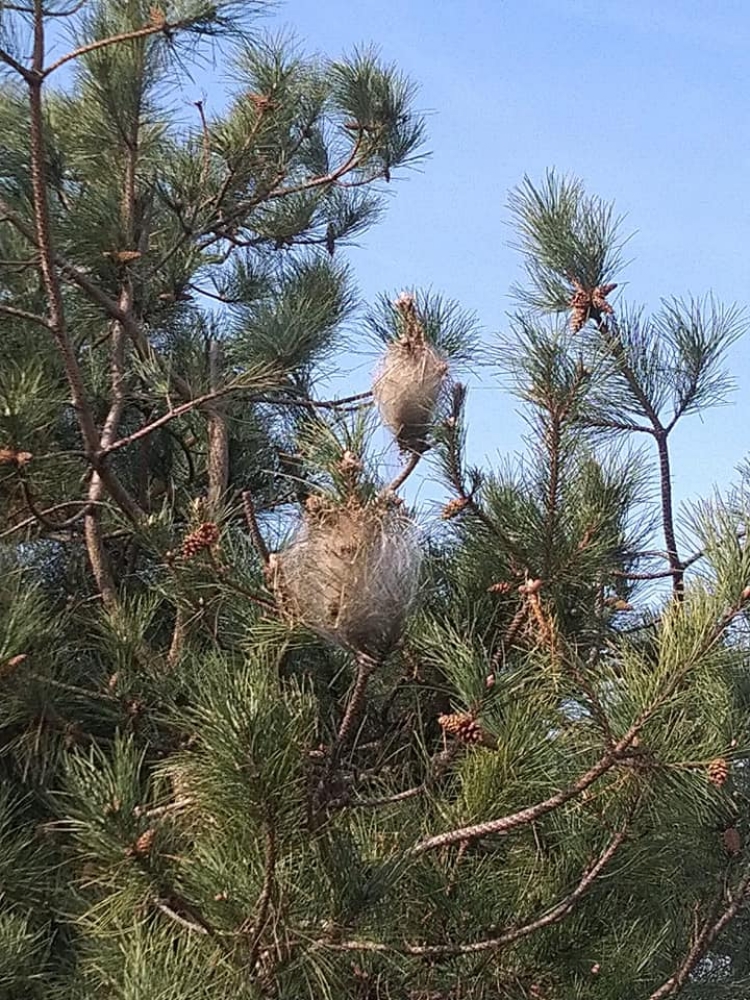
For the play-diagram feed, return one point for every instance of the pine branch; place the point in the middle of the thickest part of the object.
(331, 177)
(20, 9)
(92, 527)
(218, 433)
(553, 443)
(252, 526)
(264, 900)
(41, 517)
(160, 27)
(618, 752)
(513, 934)
(43, 240)
(660, 433)
(365, 667)
(8, 59)
(23, 314)
(401, 478)
(711, 930)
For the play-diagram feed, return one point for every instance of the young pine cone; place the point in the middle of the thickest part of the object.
(732, 841)
(205, 536)
(718, 772)
(454, 507)
(463, 727)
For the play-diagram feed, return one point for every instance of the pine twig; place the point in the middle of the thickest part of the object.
(711, 930)
(23, 314)
(403, 475)
(190, 925)
(252, 526)
(179, 634)
(614, 755)
(513, 934)
(158, 811)
(264, 900)
(218, 433)
(125, 36)
(365, 667)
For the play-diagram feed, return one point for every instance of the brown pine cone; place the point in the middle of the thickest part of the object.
(145, 843)
(718, 772)
(454, 507)
(205, 536)
(463, 727)
(578, 318)
(732, 841)
(599, 298)
(9, 456)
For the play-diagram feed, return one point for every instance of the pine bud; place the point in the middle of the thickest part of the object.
(7, 668)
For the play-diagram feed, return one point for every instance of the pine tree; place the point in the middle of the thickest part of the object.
(262, 734)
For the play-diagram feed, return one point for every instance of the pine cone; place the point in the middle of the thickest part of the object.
(718, 772)
(9, 456)
(205, 536)
(145, 843)
(585, 300)
(599, 298)
(732, 841)
(262, 102)
(454, 507)
(578, 318)
(463, 727)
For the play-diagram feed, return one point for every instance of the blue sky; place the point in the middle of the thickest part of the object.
(646, 102)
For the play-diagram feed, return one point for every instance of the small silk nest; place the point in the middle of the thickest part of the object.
(409, 382)
(350, 572)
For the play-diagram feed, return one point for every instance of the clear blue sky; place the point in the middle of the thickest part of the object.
(646, 102)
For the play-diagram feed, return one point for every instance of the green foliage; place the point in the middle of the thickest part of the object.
(542, 790)
(564, 235)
